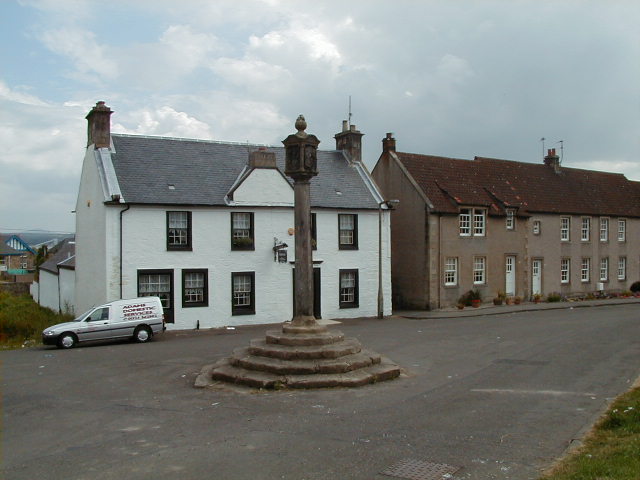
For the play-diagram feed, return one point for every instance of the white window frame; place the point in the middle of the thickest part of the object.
(565, 270)
(604, 269)
(622, 230)
(585, 270)
(622, 268)
(465, 221)
(604, 229)
(585, 229)
(472, 222)
(565, 229)
(451, 271)
(479, 222)
(479, 270)
(537, 227)
(511, 219)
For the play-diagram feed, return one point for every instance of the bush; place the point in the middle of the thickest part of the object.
(554, 297)
(23, 319)
(635, 287)
(466, 298)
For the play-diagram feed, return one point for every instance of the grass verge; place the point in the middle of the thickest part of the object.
(22, 320)
(611, 451)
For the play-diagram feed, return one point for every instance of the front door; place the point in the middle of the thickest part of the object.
(510, 275)
(536, 277)
(316, 292)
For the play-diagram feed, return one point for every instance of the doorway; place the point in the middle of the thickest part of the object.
(510, 275)
(316, 292)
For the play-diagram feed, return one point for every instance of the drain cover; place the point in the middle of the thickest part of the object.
(419, 470)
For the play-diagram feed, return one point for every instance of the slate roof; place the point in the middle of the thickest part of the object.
(531, 188)
(203, 172)
(62, 256)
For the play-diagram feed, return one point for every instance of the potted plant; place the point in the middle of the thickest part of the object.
(460, 305)
(517, 300)
(475, 297)
(499, 298)
(537, 297)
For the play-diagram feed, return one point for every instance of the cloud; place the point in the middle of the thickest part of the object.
(165, 121)
(91, 60)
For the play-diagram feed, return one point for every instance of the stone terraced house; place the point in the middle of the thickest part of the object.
(505, 226)
(208, 227)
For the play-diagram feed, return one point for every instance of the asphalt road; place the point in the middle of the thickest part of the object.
(500, 396)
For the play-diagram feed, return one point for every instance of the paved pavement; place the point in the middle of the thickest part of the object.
(499, 392)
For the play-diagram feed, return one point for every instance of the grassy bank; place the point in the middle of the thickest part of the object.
(22, 320)
(612, 450)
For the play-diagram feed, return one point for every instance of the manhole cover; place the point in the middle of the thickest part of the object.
(419, 470)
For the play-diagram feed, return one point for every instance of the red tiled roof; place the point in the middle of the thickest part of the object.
(499, 184)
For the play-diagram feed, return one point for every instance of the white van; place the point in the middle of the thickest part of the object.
(137, 318)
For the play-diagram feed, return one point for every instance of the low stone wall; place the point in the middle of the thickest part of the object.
(15, 288)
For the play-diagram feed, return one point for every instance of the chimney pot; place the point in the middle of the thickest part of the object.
(262, 158)
(389, 143)
(350, 140)
(99, 126)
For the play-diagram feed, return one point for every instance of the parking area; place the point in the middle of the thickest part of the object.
(495, 396)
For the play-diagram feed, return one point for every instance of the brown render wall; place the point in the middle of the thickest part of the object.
(495, 246)
(548, 247)
(409, 269)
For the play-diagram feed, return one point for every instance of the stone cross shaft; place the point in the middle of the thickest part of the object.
(301, 165)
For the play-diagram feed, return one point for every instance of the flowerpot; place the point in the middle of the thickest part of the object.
(475, 303)
(497, 301)
(460, 306)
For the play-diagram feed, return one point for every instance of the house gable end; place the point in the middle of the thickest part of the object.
(261, 187)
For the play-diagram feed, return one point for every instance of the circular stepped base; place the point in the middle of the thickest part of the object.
(302, 357)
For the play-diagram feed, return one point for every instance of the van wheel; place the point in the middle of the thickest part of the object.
(67, 340)
(142, 334)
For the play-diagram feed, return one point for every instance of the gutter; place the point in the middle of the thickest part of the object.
(121, 212)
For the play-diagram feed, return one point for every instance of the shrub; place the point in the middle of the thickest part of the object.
(466, 298)
(23, 319)
(554, 297)
(635, 287)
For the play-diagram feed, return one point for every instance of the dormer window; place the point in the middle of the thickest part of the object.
(472, 222)
(511, 219)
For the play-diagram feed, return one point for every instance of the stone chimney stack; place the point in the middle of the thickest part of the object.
(262, 158)
(350, 140)
(389, 143)
(99, 126)
(552, 160)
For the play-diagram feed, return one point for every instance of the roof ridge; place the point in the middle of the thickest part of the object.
(195, 140)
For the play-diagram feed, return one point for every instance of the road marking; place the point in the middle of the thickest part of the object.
(556, 393)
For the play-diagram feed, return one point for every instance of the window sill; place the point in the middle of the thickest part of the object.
(349, 306)
(243, 312)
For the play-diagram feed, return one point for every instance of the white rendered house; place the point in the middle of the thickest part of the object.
(208, 226)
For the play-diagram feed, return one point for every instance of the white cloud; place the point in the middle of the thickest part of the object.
(90, 59)
(7, 94)
(167, 122)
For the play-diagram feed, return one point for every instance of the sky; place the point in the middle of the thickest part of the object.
(447, 77)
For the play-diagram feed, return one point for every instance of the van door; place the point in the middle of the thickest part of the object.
(95, 326)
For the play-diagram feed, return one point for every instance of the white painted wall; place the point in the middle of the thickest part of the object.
(91, 239)
(67, 279)
(145, 248)
(49, 290)
(264, 186)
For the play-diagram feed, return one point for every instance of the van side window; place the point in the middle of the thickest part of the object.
(99, 314)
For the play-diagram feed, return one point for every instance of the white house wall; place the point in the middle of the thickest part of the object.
(92, 245)
(49, 290)
(264, 186)
(67, 279)
(144, 247)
